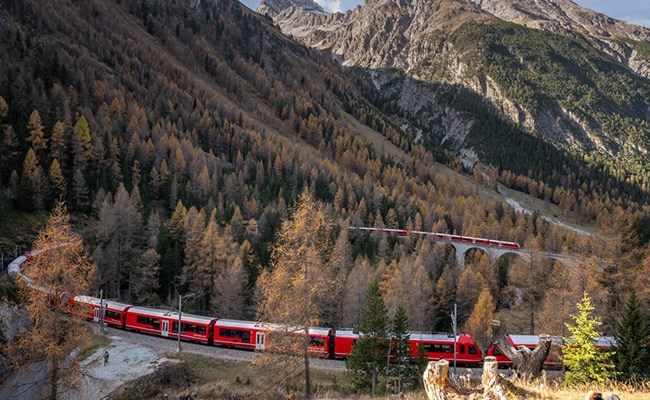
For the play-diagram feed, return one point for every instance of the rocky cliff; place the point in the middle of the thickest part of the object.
(536, 72)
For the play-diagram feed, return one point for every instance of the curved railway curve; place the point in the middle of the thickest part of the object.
(237, 339)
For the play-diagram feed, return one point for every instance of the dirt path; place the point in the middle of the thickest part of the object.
(128, 360)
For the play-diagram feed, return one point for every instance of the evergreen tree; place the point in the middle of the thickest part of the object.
(36, 132)
(369, 355)
(632, 357)
(584, 360)
(406, 374)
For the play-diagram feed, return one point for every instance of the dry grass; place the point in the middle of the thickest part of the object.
(212, 378)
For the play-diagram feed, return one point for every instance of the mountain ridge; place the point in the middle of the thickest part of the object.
(420, 40)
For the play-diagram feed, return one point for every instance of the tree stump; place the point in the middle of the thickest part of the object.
(437, 383)
(527, 362)
(492, 383)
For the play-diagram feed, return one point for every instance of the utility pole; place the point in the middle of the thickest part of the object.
(454, 315)
(101, 311)
(180, 310)
(532, 295)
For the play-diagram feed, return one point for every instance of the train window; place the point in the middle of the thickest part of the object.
(113, 314)
(440, 348)
(245, 336)
(472, 350)
(496, 352)
(462, 349)
(188, 328)
(153, 322)
(316, 341)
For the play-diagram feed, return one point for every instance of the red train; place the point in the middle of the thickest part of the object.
(441, 236)
(251, 335)
(438, 346)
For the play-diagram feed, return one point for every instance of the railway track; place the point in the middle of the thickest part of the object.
(170, 345)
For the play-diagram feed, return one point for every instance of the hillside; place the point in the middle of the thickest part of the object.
(565, 75)
(181, 134)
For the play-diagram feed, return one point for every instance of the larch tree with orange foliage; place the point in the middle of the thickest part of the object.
(293, 292)
(479, 323)
(60, 269)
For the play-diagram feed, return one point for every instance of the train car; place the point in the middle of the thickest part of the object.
(437, 346)
(239, 334)
(194, 328)
(344, 339)
(319, 341)
(13, 269)
(114, 312)
(553, 360)
(605, 342)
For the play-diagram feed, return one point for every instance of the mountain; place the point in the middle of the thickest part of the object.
(276, 6)
(181, 134)
(575, 78)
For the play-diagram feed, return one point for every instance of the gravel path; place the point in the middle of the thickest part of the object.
(133, 355)
(128, 360)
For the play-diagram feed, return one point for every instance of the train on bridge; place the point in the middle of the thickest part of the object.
(441, 236)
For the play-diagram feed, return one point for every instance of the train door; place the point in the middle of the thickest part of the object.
(96, 314)
(259, 340)
(165, 328)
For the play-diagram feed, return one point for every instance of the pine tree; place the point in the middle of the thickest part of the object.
(632, 357)
(118, 248)
(406, 373)
(36, 132)
(82, 143)
(586, 362)
(57, 180)
(369, 355)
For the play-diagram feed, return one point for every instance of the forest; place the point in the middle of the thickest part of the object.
(181, 138)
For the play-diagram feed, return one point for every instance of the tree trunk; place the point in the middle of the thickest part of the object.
(307, 372)
(439, 387)
(528, 363)
(437, 383)
(54, 379)
(492, 386)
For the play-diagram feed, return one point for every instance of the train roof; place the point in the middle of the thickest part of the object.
(173, 315)
(110, 304)
(605, 341)
(322, 331)
(440, 337)
(533, 340)
(235, 323)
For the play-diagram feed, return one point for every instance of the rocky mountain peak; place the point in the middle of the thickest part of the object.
(379, 32)
(557, 15)
(412, 48)
(275, 7)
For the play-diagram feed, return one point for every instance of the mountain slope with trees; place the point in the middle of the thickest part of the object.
(181, 135)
